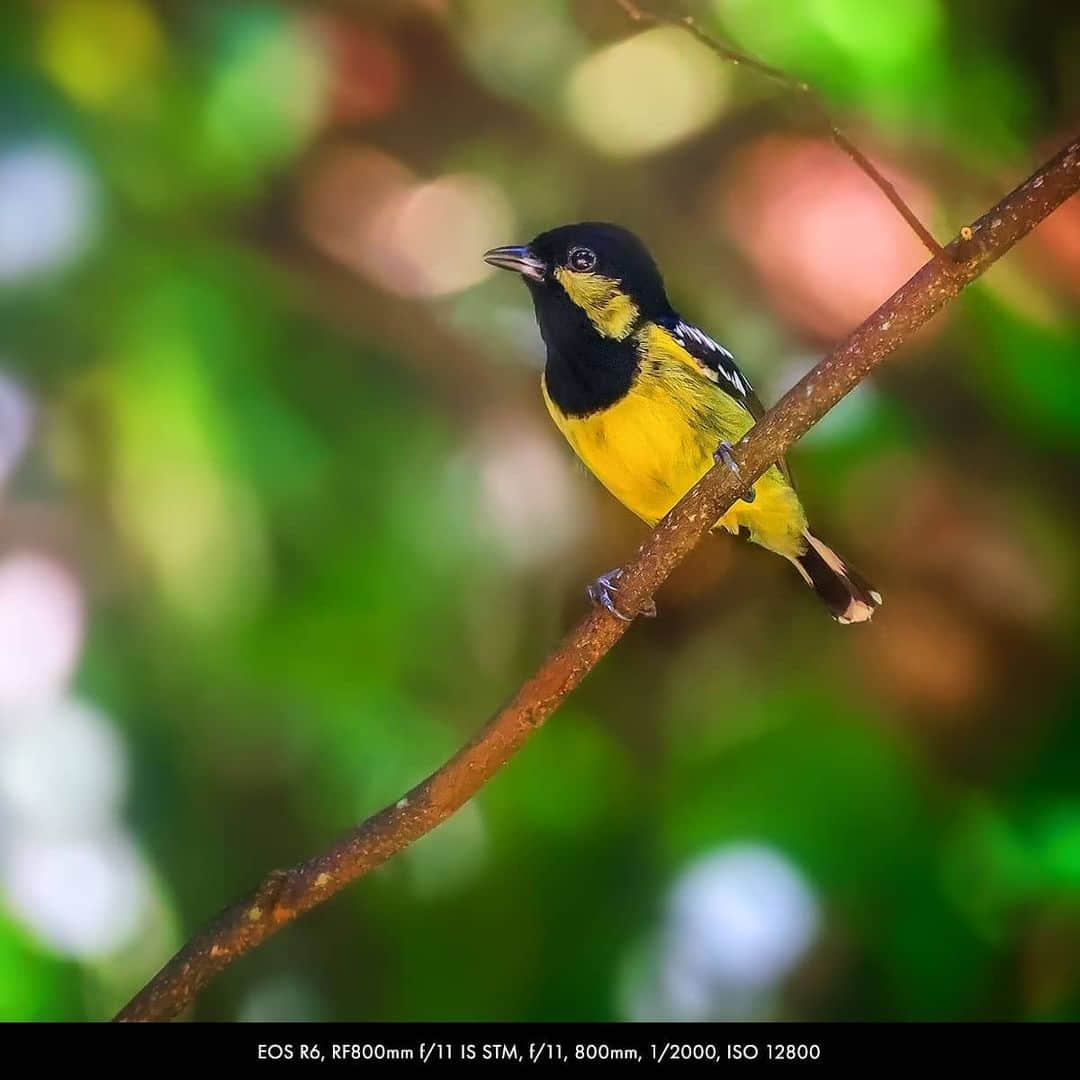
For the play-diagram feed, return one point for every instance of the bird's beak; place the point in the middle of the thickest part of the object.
(519, 258)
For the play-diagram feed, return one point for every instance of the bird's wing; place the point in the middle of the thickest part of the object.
(718, 365)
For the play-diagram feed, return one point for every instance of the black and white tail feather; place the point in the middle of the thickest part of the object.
(847, 596)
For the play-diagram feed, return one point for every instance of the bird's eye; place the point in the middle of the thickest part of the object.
(581, 258)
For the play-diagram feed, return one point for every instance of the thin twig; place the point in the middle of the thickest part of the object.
(284, 895)
(803, 90)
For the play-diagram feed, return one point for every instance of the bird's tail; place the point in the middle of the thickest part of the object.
(847, 596)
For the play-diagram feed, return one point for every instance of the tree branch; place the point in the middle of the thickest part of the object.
(284, 895)
(801, 89)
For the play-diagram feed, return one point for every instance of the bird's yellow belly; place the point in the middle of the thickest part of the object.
(654, 444)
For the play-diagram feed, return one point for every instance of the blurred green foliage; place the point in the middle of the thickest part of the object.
(301, 470)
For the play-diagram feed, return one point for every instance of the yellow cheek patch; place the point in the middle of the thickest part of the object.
(609, 309)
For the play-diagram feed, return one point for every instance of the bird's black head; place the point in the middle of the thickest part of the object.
(592, 286)
(591, 276)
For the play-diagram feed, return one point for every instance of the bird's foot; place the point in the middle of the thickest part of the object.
(602, 593)
(723, 453)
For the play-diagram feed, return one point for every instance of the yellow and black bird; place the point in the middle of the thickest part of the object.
(648, 401)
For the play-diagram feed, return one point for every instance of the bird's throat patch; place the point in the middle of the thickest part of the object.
(609, 309)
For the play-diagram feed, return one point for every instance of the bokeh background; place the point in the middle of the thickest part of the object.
(283, 517)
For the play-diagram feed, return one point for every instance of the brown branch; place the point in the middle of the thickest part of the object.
(800, 89)
(284, 895)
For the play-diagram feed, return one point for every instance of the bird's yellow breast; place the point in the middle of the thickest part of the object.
(658, 440)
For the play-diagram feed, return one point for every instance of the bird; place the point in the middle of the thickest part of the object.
(649, 402)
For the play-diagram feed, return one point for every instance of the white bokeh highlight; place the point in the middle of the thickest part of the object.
(737, 923)
(69, 870)
(84, 896)
(63, 770)
(47, 209)
(41, 627)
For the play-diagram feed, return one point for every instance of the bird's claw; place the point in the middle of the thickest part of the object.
(723, 453)
(602, 593)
